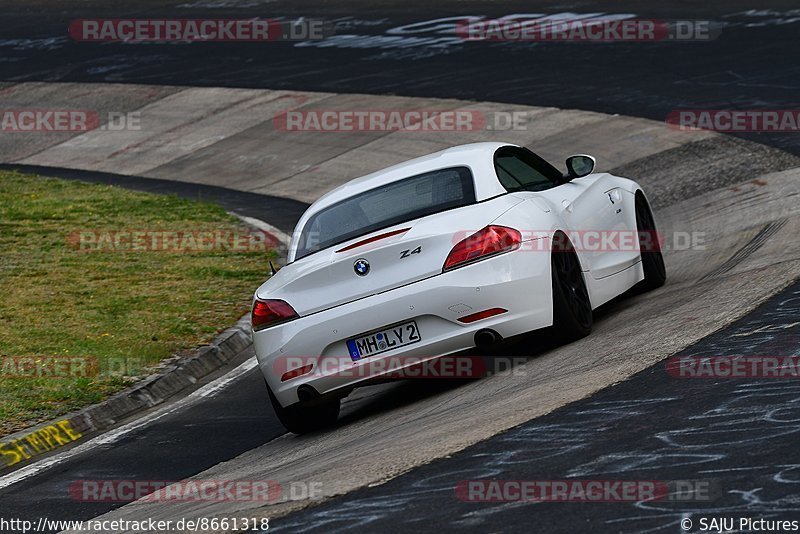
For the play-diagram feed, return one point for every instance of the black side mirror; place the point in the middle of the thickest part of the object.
(578, 166)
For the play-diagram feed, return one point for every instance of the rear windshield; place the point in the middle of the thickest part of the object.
(382, 207)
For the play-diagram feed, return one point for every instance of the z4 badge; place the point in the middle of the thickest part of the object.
(409, 252)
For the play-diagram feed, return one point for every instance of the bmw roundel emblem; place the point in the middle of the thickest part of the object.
(361, 267)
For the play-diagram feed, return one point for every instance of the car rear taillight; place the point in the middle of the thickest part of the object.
(487, 242)
(270, 312)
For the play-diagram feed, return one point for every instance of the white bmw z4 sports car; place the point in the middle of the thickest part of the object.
(441, 254)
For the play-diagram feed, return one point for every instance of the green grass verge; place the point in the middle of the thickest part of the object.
(124, 310)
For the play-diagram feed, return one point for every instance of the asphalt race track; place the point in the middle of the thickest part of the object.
(394, 48)
(601, 408)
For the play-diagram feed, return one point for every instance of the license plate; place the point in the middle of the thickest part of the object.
(383, 340)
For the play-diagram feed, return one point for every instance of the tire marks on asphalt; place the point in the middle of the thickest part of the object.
(748, 249)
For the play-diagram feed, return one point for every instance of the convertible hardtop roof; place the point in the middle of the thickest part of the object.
(477, 156)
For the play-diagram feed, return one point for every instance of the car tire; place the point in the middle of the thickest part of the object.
(655, 272)
(302, 418)
(572, 309)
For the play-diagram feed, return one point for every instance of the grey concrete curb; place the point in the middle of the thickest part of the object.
(156, 388)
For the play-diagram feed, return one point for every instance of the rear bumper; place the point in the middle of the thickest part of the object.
(516, 281)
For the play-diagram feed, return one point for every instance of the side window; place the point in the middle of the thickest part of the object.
(520, 169)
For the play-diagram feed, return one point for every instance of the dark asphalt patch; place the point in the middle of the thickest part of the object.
(396, 48)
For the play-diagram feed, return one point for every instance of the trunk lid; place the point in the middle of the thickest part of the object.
(328, 278)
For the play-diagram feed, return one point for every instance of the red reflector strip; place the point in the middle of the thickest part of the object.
(373, 239)
(481, 315)
(294, 373)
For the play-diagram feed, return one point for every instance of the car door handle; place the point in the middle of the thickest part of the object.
(567, 205)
